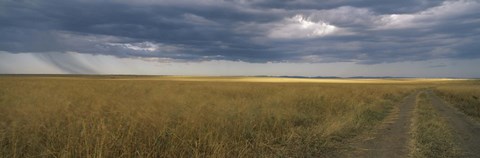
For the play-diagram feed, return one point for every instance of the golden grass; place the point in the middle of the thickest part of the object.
(99, 117)
(258, 79)
(290, 80)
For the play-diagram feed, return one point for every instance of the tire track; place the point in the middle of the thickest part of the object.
(392, 140)
(466, 131)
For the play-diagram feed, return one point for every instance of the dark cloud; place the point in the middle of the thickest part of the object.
(383, 7)
(367, 31)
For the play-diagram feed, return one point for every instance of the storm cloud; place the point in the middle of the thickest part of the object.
(256, 31)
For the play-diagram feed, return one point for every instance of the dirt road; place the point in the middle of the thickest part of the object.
(392, 139)
(467, 132)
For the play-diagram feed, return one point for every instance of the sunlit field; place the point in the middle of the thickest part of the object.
(263, 79)
(116, 116)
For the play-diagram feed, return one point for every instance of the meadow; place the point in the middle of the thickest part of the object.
(158, 117)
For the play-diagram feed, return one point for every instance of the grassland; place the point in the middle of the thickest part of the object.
(288, 80)
(432, 137)
(138, 116)
(85, 117)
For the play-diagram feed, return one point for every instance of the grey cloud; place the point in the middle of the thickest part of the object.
(383, 7)
(239, 30)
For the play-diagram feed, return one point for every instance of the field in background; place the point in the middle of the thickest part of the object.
(259, 79)
(174, 117)
(284, 80)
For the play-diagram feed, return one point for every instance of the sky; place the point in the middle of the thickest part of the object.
(409, 38)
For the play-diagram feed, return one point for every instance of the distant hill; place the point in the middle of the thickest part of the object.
(367, 77)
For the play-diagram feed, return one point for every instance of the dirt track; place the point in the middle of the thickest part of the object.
(467, 132)
(392, 139)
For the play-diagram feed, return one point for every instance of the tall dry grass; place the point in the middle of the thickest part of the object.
(122, 118)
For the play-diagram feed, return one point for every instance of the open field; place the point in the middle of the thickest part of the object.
(91, 116)
(290, 80)
(251, 79)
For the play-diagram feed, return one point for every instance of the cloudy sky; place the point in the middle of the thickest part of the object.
(415, 38)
